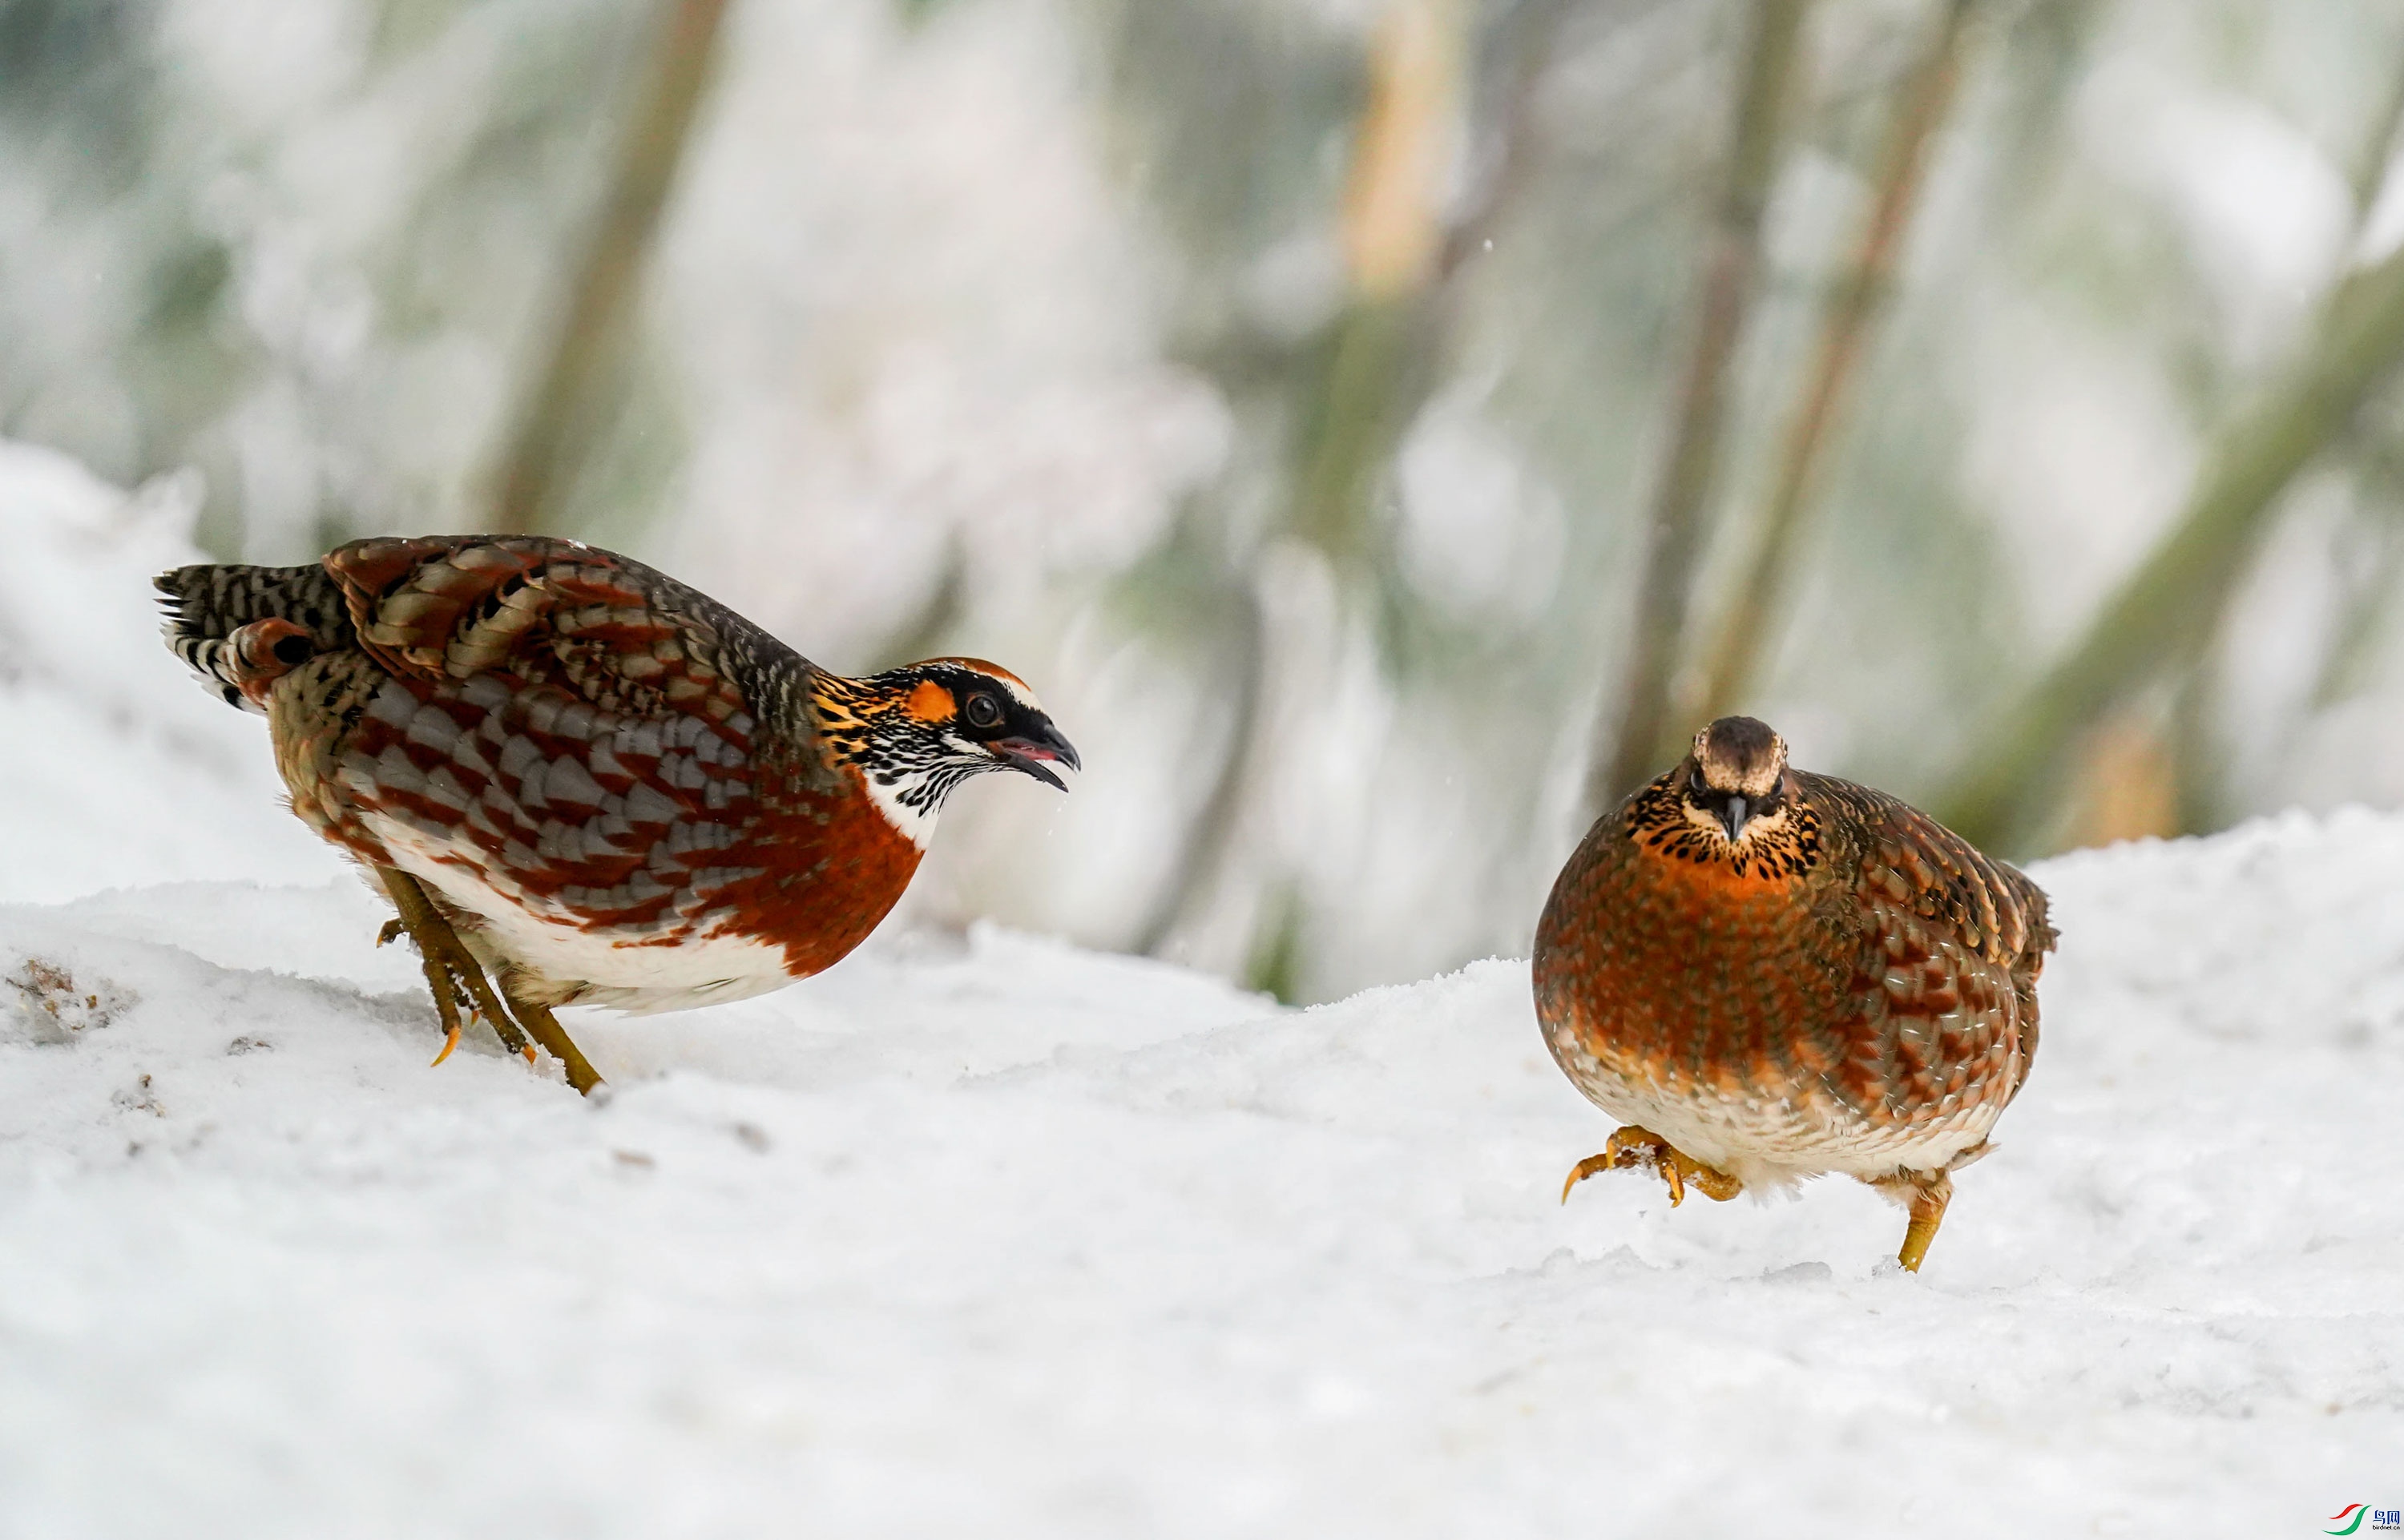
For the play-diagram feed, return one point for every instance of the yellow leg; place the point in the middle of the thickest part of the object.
(438, 983)
(545, 1028)
(1926, 1199)
(451, 972)
(1641, 1149)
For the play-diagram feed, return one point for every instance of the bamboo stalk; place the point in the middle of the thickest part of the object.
(1624, 754)
(1203, 853)
(2368, 174)
(1393, 235)
(612, 265)
(1392, 227)
(2190, 765)
(2361, 619)
(2367, 611)
(1404, 265)
(2179, 592)
(1536, 29)
(2195, 763)
(1758, 599)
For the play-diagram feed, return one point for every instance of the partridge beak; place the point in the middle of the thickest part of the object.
(1733, 817)
(1033, 750)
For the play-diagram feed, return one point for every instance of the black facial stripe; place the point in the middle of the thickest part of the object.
(1716, 803)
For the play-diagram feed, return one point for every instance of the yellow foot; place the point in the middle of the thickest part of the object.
(1925, 1196)
(544, 1028)
(453, 975)
(461, 990)
(1632, 1148)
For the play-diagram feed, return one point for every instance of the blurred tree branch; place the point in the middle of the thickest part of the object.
(1530, 33)
(1401, 259)
(1745, 625)
(2180, 590)
(2368, 176)
(1392, 236)
(2367, 612)
(2196, 764)
(1626, 755)
(1201, 854)
(611, 268)
(2131, 740)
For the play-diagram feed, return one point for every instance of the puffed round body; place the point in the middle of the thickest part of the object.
(1858, 996)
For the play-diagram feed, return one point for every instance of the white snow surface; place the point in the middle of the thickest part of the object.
(1000, 1238)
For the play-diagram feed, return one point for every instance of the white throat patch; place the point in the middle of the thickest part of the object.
(906, 805)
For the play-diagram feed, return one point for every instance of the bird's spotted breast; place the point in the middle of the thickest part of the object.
(1657, 967)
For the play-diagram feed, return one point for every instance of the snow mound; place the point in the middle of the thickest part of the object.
(998, 1238)
(115, 766)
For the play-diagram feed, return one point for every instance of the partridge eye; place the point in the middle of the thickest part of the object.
(983, 711)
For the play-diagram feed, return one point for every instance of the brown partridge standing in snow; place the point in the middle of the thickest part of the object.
(1769, 975)
(584, 779)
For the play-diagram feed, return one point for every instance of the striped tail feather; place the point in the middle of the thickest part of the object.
(205, 606)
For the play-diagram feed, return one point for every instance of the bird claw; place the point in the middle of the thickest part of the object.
(460, 989)
(1634, 1149)
(392, 931)
(453, 975)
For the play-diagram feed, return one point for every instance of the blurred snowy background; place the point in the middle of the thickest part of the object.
(1379, 428)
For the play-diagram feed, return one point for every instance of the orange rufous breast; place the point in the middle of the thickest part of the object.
(834, 868)
(1686, 976)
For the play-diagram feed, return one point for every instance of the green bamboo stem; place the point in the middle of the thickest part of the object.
(612, 265)
(2177, 595)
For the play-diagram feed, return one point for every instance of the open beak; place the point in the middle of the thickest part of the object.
(1035, 752)
(1733, 817)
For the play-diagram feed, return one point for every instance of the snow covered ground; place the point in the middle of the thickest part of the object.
(1005, 1239)
(992, 1237)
